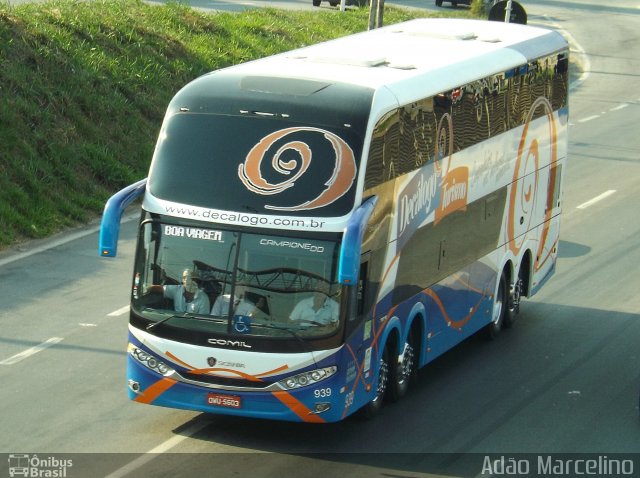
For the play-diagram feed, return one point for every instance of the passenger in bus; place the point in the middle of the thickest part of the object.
(241, 306)
(187, 297)
(319, 309)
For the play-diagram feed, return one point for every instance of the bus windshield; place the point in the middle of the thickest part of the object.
(225, 282)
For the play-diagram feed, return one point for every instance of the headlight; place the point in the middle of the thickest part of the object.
(149, 361)
(307, 378)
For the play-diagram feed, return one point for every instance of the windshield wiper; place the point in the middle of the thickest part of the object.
(293, 333)
(278, 327)
(167, 318)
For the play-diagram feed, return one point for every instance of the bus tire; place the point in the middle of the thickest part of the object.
(404, 370)
(513, 301)
(374, 406)
(499, 309)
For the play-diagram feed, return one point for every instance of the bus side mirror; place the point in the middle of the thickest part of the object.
(351, 246)
(110, 224)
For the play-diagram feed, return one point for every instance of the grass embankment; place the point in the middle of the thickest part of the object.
(84, 87)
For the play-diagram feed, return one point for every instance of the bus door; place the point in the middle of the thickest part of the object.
(359, 329)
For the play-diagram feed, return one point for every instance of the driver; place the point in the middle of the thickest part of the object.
(187, 297)
(241, 306)
(319, 309)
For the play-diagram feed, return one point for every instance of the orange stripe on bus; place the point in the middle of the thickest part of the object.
(208, 371)
(177, 360)
(271, 372)
(254, 378)
(458, 324)
(297, 407)
(154, 391)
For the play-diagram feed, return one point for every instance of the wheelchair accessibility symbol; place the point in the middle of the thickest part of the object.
(241, 324)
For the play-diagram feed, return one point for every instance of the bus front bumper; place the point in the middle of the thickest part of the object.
(151, 387)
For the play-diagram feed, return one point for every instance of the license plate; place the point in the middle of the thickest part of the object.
(229, 401)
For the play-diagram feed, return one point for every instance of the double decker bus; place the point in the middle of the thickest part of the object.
(319, 224)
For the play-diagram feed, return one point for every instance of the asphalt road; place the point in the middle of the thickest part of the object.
(565, 379)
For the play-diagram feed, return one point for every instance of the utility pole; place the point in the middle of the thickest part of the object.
(507, 12)
(376, 14)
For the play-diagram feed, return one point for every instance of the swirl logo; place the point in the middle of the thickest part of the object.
(522, 201)
(293, 168)
(444, 144)
(454, 181)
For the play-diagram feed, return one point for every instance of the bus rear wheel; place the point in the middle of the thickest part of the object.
(500, 302)
(373, 407)
(513, 302)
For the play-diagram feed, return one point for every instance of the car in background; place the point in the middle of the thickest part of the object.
(454, 3)
(335, 3)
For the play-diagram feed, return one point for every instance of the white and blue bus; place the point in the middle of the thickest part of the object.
(319, 224)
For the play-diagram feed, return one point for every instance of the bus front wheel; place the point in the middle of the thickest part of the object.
(373, 407)
(403, 371)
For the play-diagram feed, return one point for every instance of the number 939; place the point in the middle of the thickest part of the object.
(322, 392)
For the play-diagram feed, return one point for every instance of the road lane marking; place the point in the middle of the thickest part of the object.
(596, 199)
(619, 107)
(588, 118)
(120, 311)
(32, 351)
(153, 453)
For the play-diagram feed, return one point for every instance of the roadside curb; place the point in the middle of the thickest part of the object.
(35, 246)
